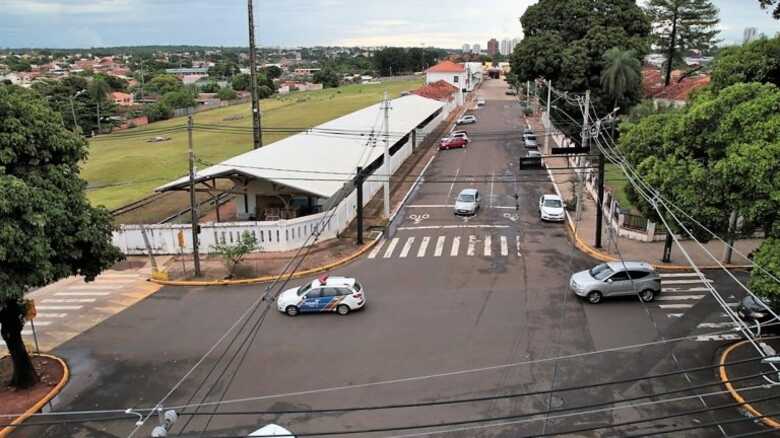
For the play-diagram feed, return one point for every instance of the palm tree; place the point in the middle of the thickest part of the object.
(622, 73)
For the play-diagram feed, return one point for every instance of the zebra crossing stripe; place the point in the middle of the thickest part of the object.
(69, 300)
(455, 246)
(488, 244)
(407, 247)
(517, 239)
(679, 274)
(678, 290)
(439, 246)
(680, 297)
(374, 252)
(675, 306)
(52, 315)
(726, 337)
(472, 245)
(504, 247)
(81, 294)
(391, 248)
(716, 325)
(423, 246)
(59, 307)
(697, 281)
(674, 315)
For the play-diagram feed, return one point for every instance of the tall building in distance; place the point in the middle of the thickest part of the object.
(492, 47)
(466, 48)
(476, 48)
(515, 42)
(750, 34)
(506, 47)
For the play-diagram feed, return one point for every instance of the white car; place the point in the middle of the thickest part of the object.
(467, 202)
(325, 294)
(467, 120)
(460, 134)
(481, 101)
(551, 208)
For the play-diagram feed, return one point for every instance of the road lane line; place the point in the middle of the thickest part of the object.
(82, 294)
(675, 306)
(517, 240)
(449, 227)
(488, 245)
(706, 338)
(680, 297)
(391, 248)
(374, 252)
(58, 307)
(674, 315)
(452, 186)
(431, 206)
(51, 315)
(716, 325)
(455, 246)
(423, 246)
(504, 247)
(470, 251)
(439, 246)
(679, 274)
(69, 300)
(406, 248)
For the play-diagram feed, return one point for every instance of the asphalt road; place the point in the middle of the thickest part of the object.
(444, 320)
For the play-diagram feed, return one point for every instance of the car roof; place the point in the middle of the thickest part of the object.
(468, 192)
(333, 281)
(553, 197)
(630, 265)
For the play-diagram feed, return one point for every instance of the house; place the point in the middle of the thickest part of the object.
(443, 92)
(122, 99)
(189, 75)
(473, 74)
(679, 90)
(450, 72)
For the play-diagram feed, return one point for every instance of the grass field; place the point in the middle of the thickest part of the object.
(616, 180)
(124, 167)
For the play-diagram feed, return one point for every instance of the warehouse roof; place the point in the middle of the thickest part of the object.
(318, 161)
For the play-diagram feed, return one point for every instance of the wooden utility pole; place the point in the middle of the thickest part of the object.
(193, 203)
(257, 134)
(386, 160)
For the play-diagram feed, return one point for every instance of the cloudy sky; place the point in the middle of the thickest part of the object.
(94, 23)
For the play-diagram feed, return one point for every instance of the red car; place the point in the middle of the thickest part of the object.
(452, 143)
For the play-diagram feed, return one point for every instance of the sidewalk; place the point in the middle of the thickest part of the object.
(631, 249)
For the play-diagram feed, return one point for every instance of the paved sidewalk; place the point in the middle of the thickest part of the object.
(70, 306)
(629, 248)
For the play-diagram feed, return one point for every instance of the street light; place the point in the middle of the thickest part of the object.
(76, 127)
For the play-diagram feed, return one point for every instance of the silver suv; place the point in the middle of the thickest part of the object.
(617, 279)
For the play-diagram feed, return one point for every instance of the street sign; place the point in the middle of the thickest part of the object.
(30, 312)
(570, 150)
(531, 163)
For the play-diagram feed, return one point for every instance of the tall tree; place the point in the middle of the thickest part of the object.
(98, 91)
(757, 61)
(48, 230)
(622, 75)
(680, 26)
(768, 4)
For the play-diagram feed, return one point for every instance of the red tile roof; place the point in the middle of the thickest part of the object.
(653, 84)
(439, 90)
(446, 67)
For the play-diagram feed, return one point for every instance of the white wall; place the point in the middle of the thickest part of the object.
(447, 77)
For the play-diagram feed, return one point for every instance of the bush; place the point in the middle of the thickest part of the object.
(227, 93)
(178, 99)
(158, 111)
(264, 91)
(232, 254)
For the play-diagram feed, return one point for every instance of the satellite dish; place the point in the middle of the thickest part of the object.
(271, 430)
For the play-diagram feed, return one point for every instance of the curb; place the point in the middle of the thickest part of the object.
(40, 403)
(268, 278)
(724, 377)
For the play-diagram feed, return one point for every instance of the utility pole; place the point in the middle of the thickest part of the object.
(527, 93)
(257, 135)
(142, 79)
(98, 113)
(600, 201)
(386, 159)
(359, 188)
(585, 134)
(548, 128)
(193, 204)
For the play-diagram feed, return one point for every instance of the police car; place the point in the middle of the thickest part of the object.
(325, 294)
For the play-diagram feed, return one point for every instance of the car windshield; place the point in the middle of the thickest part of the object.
(466, 197)
(601, 271)
(552, 203)
(303, 289)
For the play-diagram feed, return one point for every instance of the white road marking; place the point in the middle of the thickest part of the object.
(488, 245)
(716, 325)
(374, 252)
(504, 247)
(58, 307)
(680, 297)
(727, 337)
(680, 274)
(517, 239)
(674, 315)
(472, 245)
(391, 248)
(423, 246)
(82, 294)
(52, 315)
(69, 300)
(492, 183)
(681, 290)
(455, 246)
(439, 246)
(687, 281)
(407, 247)
(675, 306)
(449, 227)
(452, 186)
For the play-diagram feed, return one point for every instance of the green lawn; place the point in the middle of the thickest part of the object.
(124, 169)
(616, 180)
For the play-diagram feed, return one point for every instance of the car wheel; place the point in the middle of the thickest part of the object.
(594, 297)
(291, 311)
(342, 309)
(647, 295)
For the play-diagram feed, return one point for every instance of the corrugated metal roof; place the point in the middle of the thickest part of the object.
(303, 160)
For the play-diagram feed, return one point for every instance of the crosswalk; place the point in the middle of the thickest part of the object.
(472, 245)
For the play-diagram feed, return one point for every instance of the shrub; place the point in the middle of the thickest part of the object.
(232, 254)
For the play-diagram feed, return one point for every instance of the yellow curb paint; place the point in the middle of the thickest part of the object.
(39, 405)
(724, 377)
(268, 278)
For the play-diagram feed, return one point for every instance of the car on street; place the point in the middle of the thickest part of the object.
(530, 141)
(467, 120)
(620, 278)
(452, 143)
(481, 101)
(551, 207)
(533, 153)
(460, 134)
(527, 131)
(467, 202)
(325, 294)
(511, 92)
(754, 310)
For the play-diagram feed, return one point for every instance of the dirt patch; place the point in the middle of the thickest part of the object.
(13, 401)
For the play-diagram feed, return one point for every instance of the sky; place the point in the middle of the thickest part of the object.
(289, 23)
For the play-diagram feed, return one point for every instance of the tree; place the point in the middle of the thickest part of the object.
(224, 70)
(767, 4)
(264, 92)
(681, 26)
(622, 75)
(762, 284)
(327, 77)
(158, 111)
(242, 82)
(233, 253)
(272, 72)
(226, 93)
(48, 230)
(757, 61)
(114, 83)
(210, 87)
(178, 99)
(164, 83)
(98, 91)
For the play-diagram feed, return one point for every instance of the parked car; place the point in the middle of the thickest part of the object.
(617, 279)
(530, 141)
(533, 153)
(467, 119)
(452, 143)
(460, 134)
(551, 207)
(753, 310)
(527, 131)
(467, 202)
(481, 101)
(325, 294)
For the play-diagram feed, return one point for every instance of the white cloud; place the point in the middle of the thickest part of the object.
(22, 7)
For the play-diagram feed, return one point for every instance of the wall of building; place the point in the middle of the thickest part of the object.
(447, 77)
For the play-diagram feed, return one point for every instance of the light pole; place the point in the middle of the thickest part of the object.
(76, 127)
